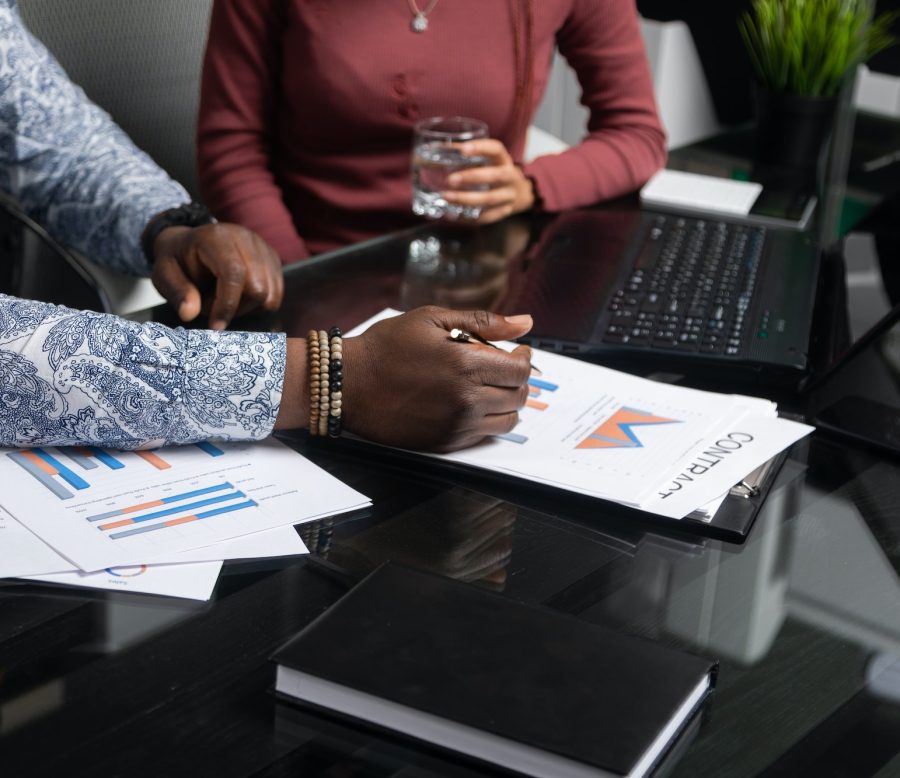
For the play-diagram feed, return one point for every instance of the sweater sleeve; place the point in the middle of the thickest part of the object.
(67, 163)
(82, 378)
(625, 143)
(237, 119)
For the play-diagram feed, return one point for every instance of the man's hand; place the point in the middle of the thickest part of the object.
(220, 268)
(407, 384)
(508, 190)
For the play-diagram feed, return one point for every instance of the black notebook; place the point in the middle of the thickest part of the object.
(529, 689)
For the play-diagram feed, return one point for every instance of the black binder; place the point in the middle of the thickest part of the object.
(732, 522)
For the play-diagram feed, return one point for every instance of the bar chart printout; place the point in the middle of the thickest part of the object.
(172, 510)
(65, 471)
(536, 402)
(49, 471)
(103, 509)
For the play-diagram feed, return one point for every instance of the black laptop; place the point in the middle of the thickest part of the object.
(672, 292)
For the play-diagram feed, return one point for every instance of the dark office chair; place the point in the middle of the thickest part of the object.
(34, 266)
(141, 62)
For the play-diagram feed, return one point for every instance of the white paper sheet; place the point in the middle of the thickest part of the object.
(281, 541)
(22, 553)
(108, 509)
(759, 439)
(612, 435)
(606, 433)
(194, 581)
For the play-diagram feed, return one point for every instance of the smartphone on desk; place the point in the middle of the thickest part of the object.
(858, 396)
(862, 420)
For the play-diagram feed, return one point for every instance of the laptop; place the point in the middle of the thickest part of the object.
(672, 292)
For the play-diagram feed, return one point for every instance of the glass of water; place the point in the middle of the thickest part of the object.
(435, 156)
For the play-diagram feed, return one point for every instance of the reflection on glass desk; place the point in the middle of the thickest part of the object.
(804, 616)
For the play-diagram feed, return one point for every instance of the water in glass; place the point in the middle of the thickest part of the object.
(435, 156)
(432, 164)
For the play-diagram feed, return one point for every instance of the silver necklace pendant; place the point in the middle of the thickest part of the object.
(419, 23)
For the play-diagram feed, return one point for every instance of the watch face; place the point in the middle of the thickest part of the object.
(188, 215)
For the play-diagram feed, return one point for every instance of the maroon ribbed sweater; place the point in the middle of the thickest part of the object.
(307, 107)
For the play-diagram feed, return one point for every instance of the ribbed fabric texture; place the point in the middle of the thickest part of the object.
(307, 107)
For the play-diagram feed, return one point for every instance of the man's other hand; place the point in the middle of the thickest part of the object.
(220, 268)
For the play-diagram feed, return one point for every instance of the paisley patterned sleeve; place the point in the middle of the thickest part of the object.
(68, 164)
(70, 377)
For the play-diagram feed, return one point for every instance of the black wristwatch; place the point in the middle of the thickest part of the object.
(188, 215)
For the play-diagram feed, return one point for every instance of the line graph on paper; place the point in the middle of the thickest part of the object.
(618, 431)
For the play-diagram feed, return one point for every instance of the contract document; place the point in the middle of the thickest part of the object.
(658, 447)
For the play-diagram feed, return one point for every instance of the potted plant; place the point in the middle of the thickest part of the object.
(802, 53)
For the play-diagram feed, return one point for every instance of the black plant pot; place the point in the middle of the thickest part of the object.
(793, 131)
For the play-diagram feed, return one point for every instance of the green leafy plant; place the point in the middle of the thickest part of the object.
(808, 47)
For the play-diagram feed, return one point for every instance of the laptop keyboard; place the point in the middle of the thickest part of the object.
(690, 288)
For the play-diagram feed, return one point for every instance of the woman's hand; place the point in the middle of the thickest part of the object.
(504, 188)
(406, 383)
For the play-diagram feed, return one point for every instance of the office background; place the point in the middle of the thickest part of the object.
(803, 616)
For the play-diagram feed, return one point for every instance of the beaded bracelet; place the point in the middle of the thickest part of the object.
(326, 374)
(336, 379)
(323, 383)
(312, 360)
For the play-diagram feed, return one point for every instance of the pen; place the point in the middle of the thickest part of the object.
(462, 336)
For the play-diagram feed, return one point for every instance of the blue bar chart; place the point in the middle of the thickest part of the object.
(66, 471)
(160, 501)
(536, 387)
(176, 509)
(49, 471)
(101, 508)
(209, 448)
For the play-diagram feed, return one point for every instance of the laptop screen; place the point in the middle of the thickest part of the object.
(669, 292)
(565, 278)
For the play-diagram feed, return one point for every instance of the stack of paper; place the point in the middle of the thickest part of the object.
(157, 521)
(661, 448)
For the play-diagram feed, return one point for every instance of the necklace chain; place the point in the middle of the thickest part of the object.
(419, 21)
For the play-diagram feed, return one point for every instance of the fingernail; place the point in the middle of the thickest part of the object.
(521, 319)
(453, 179)
(217, 325)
